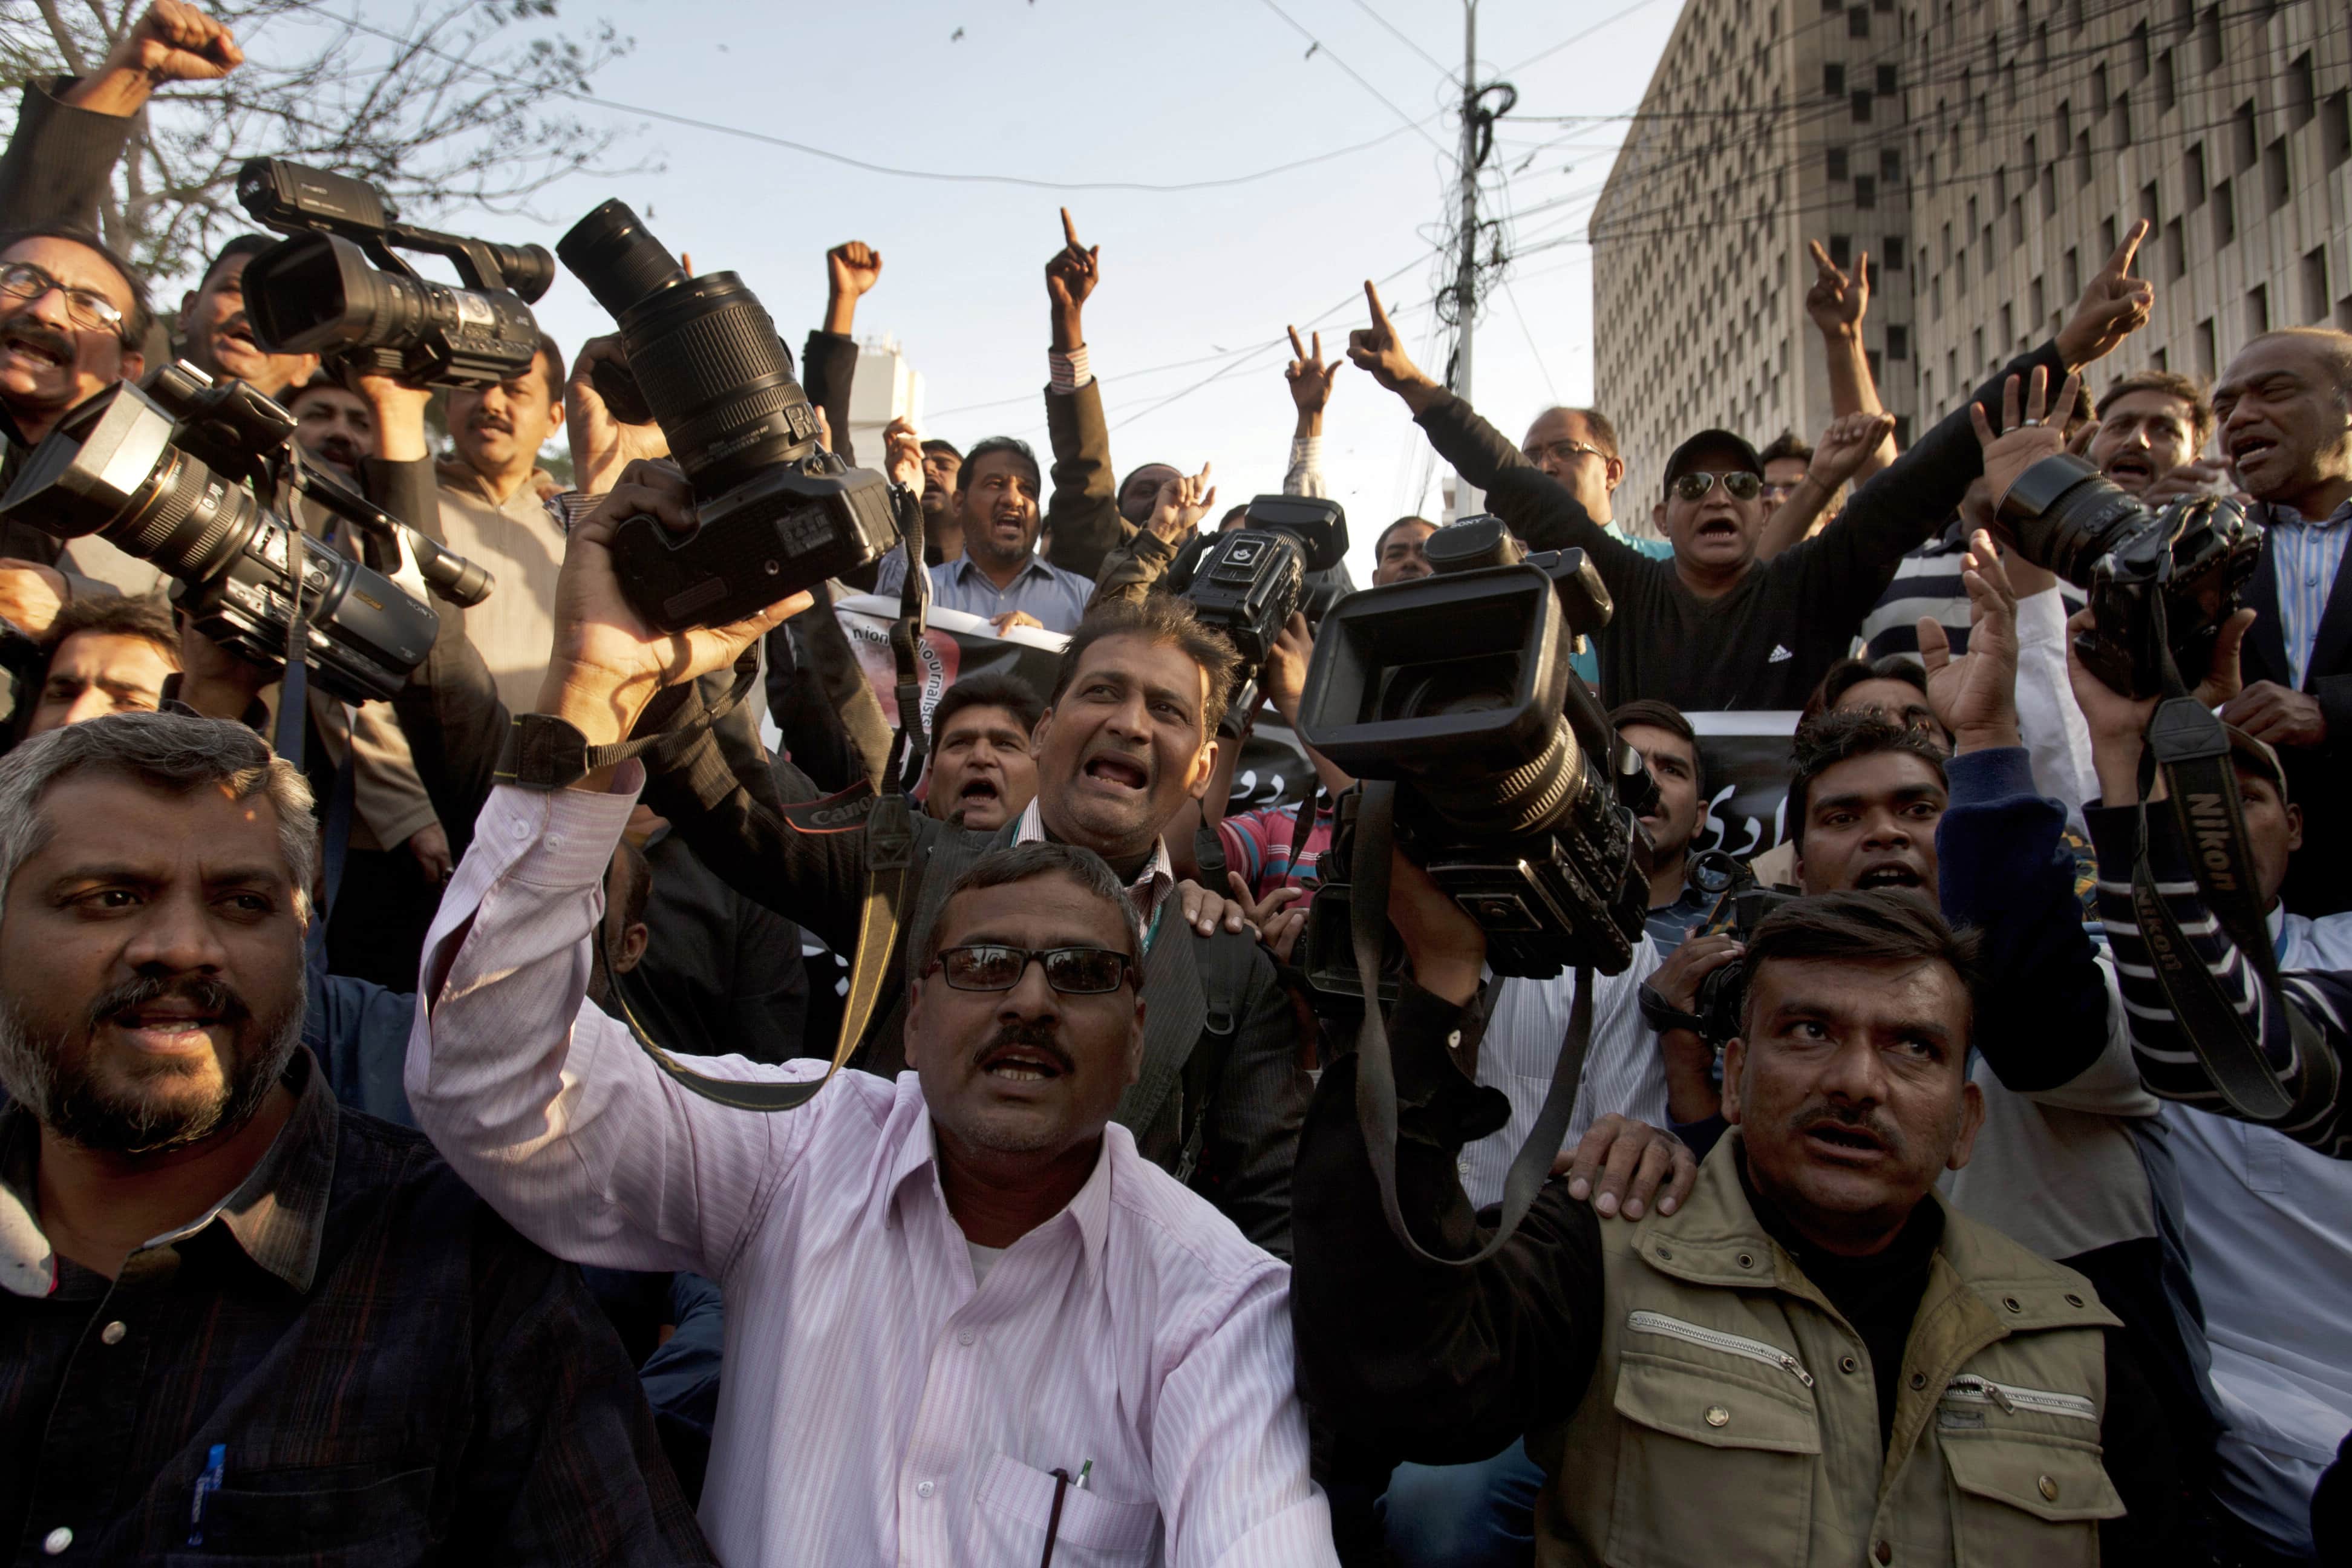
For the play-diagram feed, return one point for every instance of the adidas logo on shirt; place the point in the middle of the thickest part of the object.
(1780, 654)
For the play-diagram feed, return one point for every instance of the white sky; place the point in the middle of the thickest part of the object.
(1077, 91)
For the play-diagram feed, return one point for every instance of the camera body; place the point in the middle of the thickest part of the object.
(338, 289)
(1248, 582)
(178, 472)
(1722, 993)
(1515, 792)
(2158, 581)
(775, 512)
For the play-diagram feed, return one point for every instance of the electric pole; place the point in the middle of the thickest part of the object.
(1466, 499)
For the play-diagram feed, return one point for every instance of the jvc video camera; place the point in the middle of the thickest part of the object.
(1515, 791)
(2191, 560)
(338, 289)
(774, 513)
(185, 473)
(1248, 582)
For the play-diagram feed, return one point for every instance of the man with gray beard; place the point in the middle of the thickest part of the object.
(234, 1317)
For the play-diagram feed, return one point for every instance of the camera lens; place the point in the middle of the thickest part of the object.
(703, 351)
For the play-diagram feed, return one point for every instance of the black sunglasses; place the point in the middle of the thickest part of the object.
(1072, 970)
(1739, 484)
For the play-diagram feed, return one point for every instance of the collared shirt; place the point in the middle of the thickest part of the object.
(2305, 557)
(521, 540)
(1623, 1070)
(880, 1405)
(350, 1354)
(1057, 598)
(2269, 1229)
(1151, 886)
(1670, 924)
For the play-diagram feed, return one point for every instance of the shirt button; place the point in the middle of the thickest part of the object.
(1717, 1415)
(521, 830)
(56, 1541)
(555, 841)
(1455, 1039)
(2048, 1488)
(112, 1333)
(923, 1489)
(966, 1336)
(1884, 1551)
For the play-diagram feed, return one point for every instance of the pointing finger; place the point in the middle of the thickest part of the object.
(1379, 316)
(1820, 256)
(2120, 264)
(1069, 230)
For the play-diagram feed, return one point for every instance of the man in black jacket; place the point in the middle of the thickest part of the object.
(1715, 628)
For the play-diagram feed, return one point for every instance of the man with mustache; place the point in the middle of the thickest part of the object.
(982, 775)
(238, 1317)
(492, 513)
(1128, 734)
(1808, 1357)
(2285, 407)
(999, 576)
(967, 1320)
(333, 425)
(218, 330)
(2153, 423)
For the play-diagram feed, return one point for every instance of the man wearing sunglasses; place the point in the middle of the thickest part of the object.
(1715, 628)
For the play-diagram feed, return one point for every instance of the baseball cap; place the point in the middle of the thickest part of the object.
(1711, 441)
(2257, 755)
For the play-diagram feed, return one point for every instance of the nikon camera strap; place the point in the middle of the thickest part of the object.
(890, 832)
(2187, 743)
(1376, 1089)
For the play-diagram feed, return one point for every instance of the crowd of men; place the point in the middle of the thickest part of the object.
(391, 1165)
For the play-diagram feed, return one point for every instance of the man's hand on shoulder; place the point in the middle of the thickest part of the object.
(1623, 1167)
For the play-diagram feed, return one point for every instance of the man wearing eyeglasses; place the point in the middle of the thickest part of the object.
(1578, 447)
(1716, 628)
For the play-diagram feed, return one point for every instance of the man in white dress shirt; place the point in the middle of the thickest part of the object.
(940, 1291)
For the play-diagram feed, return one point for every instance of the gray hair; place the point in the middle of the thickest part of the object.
(1027, 862)
(166, 752)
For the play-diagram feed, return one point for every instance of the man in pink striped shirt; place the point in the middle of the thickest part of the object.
(963, 1316)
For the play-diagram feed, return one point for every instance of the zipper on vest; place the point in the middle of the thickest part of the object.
(1716, 1339)
(2011, 1398)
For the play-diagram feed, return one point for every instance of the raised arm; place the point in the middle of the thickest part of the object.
(1311, 377)
(1837, 302)
(1082, 509)
(1843, 452)
(829, 361)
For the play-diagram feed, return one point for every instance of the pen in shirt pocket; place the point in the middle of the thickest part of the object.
(215, 1462)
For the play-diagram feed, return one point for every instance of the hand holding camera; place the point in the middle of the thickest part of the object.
(609, 659)
(603, 442)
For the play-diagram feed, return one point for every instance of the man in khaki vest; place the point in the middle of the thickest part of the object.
(1810, 1359)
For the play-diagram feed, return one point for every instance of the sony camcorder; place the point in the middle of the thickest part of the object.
(185, 473)
(1248, 582)
(2158, 581)
(1514, 791)
(338, 289)
(775, 512)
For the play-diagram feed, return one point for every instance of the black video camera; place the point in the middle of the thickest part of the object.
(1741, 906)
(1248, 582)
(1515, 791)
(185, 473)
(2159, 582)
(318, 294)
(775, 512)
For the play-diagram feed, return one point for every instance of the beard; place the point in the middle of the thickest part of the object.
(57, 1085)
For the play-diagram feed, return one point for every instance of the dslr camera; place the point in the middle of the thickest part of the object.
(2158, 581)
(338, 289)
(1515, 792)
(185, 472)
(1249, 582)
(775, 512)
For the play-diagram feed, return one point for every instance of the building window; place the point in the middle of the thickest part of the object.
(2017, 223)
(2244, 138)
(2192, 177)
(1834, 162)
(1865, 191)
(1832, 80)
(2258, 310)
(2176, 252)
(2315, 287)
(1861, 105)
(1898, 340)
(1841, 250)
(1890, 246)
(2098, 89)
(2123, 120)
(2167, 94)
(1889, 85)
(2209, 32)
(1857, 22)
(2139, 51)
(1870, 357)
(2034, 295)
(1890, 166)
(2147, 207)
(2225, 217)
(2205, 352)
(2276, 180)
(2007, 326)
(2072, 274)
(2301, 92)
(2337, 132)
(1976, 351)
(2049, 190)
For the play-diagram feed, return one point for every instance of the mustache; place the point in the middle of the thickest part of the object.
(1868, 1121)
(32, 334)
(1040, 1033)
(206, 995)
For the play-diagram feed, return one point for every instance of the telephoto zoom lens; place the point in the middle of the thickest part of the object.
(703, 351)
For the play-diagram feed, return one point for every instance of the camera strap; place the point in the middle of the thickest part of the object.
(2188, 745)
(889, 831)
(1376, 1089)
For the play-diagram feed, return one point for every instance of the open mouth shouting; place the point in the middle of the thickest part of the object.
(1719, 527)
(30, 347)
(1122, 774)
(159, 1020)
(1024, 1057)
(2249, 450)
(1889, 874)
(1845, 1142)
(2131, 470)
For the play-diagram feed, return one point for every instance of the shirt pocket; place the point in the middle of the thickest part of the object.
(1016, 1505)
(1714, 1462)
(2022, 1498)
(328, 1516)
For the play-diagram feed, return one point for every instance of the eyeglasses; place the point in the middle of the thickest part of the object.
(1739, 485)
(22, 280)
(1565, 451)
(1072, 970)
